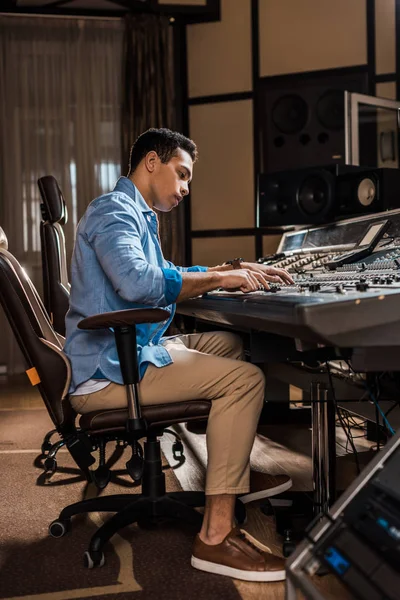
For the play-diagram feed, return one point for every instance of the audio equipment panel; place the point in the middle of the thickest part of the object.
(359, 540)
(338, 258)
(355, 305)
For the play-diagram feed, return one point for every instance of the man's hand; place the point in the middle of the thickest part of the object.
(272, 274)
(250, 278)
(245, 280)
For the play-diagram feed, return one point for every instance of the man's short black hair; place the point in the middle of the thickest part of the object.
(163, 141)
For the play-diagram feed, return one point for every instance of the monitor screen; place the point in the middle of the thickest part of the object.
(294, 241)
(371, 233)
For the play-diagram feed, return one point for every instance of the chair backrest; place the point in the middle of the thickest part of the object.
(56, 287)
(31, 293)
(39, 343)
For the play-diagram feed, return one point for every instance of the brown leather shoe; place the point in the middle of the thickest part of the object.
(263, 485)
(239, 556)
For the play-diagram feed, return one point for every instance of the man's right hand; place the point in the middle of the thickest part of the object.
(243, 280)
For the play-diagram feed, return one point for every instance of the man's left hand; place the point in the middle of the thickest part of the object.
(272, 274)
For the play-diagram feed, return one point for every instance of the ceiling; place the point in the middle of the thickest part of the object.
(193, 10)
(75, 6)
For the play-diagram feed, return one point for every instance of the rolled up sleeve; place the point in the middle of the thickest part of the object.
(196, 269)
(173, 284)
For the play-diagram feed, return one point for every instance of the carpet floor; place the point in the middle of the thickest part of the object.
(140, 563)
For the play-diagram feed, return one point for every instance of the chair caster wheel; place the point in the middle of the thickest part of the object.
(177, 450)
(267, 509)
(101, 477)
(50, 465)
(93, 559)
(289, 544)
(288, 548)
(45, 447)
(59, 528)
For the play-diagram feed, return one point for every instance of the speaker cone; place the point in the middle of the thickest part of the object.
(290, 114)
(366, 191)
(314, 195)
(330, 110)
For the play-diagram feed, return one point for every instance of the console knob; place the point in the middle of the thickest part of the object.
(362, 286)
(314, 287)
(339, 288)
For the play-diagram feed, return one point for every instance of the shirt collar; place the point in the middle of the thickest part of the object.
(124, 184)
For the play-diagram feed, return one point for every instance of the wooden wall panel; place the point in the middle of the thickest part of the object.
(385, 36)
(308, 35)
(386, 90)
(215, 251)
(222, 191)
(219, 54)
(270, 244)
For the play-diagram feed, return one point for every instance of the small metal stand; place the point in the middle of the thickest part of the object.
(323, 447)
(323, 441)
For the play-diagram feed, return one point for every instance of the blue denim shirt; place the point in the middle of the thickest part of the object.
(117, 264)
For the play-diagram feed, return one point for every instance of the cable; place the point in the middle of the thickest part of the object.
(374, 400)
(388, 425)
(338, 412)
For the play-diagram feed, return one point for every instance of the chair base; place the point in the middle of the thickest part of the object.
(129, 509)
(152, 504)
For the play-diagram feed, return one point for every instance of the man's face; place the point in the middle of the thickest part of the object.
(170, 181)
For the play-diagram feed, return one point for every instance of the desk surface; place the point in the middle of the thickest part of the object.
(368, 324)
(357, 319)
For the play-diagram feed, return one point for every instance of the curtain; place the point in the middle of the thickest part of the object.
(60, 107)
(148, 100)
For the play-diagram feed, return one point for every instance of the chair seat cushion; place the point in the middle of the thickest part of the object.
(156, 416)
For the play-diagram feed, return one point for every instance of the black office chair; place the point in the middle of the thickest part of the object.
(56, 292)
(56, 286)
(43, 353)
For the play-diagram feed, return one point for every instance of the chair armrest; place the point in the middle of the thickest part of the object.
(120, 318)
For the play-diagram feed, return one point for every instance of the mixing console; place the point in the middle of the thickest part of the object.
(312, 270)
(336, 303)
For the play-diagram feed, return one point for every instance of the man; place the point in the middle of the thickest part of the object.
(118, 264)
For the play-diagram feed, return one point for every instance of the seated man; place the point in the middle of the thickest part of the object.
(118, 264)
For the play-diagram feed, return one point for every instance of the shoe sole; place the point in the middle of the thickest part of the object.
(210, 567)
(279, 489)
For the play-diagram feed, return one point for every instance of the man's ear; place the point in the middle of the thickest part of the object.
(150, 160)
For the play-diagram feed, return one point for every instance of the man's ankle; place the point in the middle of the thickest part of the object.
(214, 537)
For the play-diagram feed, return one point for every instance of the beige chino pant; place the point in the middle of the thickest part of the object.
(207, 366)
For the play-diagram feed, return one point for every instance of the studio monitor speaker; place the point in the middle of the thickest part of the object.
(302, 118)
(319, 195)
